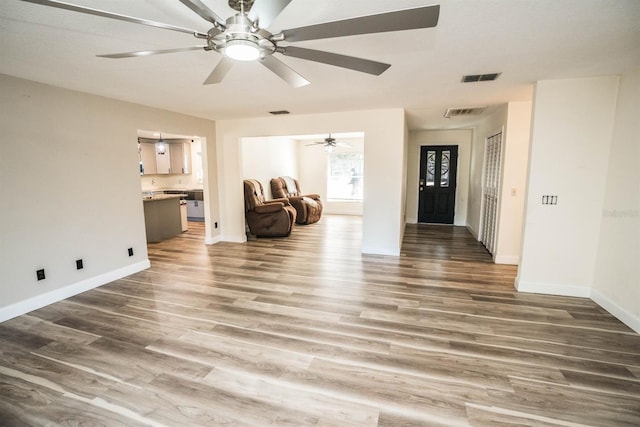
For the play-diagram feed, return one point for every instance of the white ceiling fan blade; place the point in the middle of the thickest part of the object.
(104, 14)
(266, 11)
(284, 71)
(151, 52)
(219, 72)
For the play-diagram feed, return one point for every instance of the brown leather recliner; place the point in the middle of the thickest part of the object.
(273, 218)
(308, 206)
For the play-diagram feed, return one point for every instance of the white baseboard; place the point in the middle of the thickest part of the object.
(212, 240)
(620, 313)
(507, 259)
(39, 301)
(341, 212)
(553, 289)
(240, 238)
(472, 231)
(380, 251)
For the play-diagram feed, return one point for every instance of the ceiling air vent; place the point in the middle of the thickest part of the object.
(278, 112)
(473, 78)
(469, 111)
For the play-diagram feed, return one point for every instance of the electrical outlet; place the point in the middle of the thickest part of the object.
(549, 200)
(130, 251)
(40, 274)
(79, 264)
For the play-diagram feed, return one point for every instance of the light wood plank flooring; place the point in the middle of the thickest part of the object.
(307, 331)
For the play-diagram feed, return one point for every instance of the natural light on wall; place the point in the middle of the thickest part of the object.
(345, 175)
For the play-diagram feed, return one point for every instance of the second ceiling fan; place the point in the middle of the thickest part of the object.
(243, 36)
(330, 144)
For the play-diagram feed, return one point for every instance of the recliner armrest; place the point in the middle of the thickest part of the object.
(282, 200)
(269, 207)
(312, 196)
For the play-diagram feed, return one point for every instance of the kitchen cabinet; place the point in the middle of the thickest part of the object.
(162, 217)
(163, 158)
(180, 157)
(147, 158)
(195, 205)
(195, 210)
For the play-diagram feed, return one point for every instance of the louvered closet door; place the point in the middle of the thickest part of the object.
(491, 191)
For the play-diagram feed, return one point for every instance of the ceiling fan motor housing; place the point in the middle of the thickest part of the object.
(239, 5)
(241, 31)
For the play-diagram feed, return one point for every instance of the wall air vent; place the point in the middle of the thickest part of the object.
(468, 111)
(278, 112)
(473, 78)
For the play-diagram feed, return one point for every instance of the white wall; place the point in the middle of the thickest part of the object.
(515, 155)
(313, 166)
(461, 138)
(264, 158)
(616, 283)
(514, 120)
(494, 123)
(570, 144)
(384, 141)
(71, 189)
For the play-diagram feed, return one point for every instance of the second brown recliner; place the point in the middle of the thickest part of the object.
(308, 206)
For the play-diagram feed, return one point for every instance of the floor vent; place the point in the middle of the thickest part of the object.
(278, 112)
(473, 78)
(469, 111)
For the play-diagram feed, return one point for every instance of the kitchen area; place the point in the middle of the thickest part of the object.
(171, 182)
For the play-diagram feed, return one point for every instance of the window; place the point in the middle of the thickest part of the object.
(345, 176)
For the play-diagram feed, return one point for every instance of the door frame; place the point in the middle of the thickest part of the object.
(456, 167)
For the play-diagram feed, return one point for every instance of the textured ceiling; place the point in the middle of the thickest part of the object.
(525, 40)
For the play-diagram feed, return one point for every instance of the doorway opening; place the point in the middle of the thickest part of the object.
(172, 182)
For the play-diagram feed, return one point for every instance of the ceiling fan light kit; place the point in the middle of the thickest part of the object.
(243, 36)
(242, 50)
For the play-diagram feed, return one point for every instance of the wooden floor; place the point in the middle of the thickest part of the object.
(307, 331)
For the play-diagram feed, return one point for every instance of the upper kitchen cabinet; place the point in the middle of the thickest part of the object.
(147, 158)
(165, 157)
(180, 157)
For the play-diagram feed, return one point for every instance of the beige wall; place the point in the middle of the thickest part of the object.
(71, 189)
(461, 138)
(570, 144)
(616, 284)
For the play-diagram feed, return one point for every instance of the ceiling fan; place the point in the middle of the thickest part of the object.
(244, 37)
(330, 144)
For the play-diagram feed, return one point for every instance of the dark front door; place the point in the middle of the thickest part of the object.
(438, 165)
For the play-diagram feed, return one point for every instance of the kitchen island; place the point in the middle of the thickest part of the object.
(162, 216)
